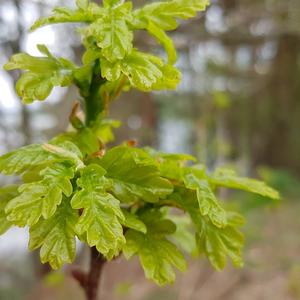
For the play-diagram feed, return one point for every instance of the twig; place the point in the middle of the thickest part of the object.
(90, 281)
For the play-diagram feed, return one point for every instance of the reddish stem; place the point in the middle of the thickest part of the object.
(90, 281)
(93, 278)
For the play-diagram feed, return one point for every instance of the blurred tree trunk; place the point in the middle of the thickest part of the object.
(282, 147)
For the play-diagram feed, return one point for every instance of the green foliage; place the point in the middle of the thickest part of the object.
(119, 199)
(42, 74)
(100, 220)
(134, 175)
(56, 236)
(6, 194)
(157, 254)
(40, 198)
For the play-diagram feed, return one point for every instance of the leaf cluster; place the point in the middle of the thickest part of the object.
(123, 199)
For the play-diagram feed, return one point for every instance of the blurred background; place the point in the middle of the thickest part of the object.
(238, 105)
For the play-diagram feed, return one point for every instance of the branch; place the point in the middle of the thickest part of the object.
(90, 281)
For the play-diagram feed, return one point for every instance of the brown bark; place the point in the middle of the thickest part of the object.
(90, 281)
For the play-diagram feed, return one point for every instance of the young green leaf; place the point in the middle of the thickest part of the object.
(104, 129)
(82, 4)
(41, 74)
(35, 155)
(40, 198)
(208, 203)
(170, 164)
(134, 175)
(112, 3)
(157, 254)
(184, 236)
(6, 194)
(56, 236)
(101, 216)
(165, 40)
(133, 222)
(143, 70)
(170, 79)
(220, 243)
(85, 139)
(228, 178)
(84, 14)
(216, 243)
(164, 14)
(22, 159)
(111, 32)
(65, 150)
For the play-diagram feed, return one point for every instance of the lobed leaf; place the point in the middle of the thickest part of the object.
(22, 159)
(228, 178)
(220, 243)
(134, 175)
(132, 221)
(111, 32)
(6, 194)
(163, 39)
(41, 198)
(86, 13)
(208, 203)
(101, 216)
(56, 236)
(217, 243)
(41, 75)
(164, 14)
(29, 157)
(158, 256)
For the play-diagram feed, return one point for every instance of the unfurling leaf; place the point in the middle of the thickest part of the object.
(111, 32)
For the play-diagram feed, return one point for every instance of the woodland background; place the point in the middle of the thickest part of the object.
(238, 105)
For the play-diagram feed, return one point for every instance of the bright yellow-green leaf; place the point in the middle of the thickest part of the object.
(82, 4)
(134, 175)
(165, 40)
(22, 159)
(164, 14)
(143, 70)
(84, 14)
(56, 237)
(228, 178)
(41, 75)
(112, 33)
(158, 256)
(6, 194)
(216, 243)
(208, 203)
(101, 216)
(41, 198)
(219, 243)
(132, 221)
